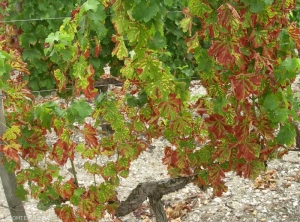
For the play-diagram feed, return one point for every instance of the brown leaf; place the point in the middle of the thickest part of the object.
(177, 211)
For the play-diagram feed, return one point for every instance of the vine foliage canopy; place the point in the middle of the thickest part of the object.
(242, 51)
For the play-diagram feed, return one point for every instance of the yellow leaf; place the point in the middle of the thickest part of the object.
(11, 133)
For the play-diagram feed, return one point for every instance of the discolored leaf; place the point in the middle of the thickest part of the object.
(90, 133)
(61, 80)
(222, 50)
(294, 32)
(249, 148)
(11, 133)
(199, 8)
(217, 126)
(219, 189)
(120, 49)
(65, 213)
(245, 84)
(215, 174)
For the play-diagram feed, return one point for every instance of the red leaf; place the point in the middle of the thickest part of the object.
(178, 161)
(294, 33)
(62, 151)
(219, 189)
(263, 127)
(67, 189)
(87, 52)
(170, 107)
(251, 169)
(75, 12)
(90, 92)
(200, 107)
(89, 134)
(171, 157)
(97, 48)
(11, 152)
(242, 127)
(65, 213)
(249, 148)
(223, 53)
(217, 126)
(215, 174)
(228, 17)
(245, 84)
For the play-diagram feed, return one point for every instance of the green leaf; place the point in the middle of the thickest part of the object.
(145, 11)
(143, 98)
(122, 134)
(139, 126)
(28, 39)
(21, 192)
(268, 2)
(91, 168)
(271, 102)
(158, 41)
(198, 8)
(75, 199)
(281, 115)
(53, 169)
(10, 166)
(31, 54)
(286, 134)
(203, 177)
(219, 103)
(79, 67)
(41, 205)
(112, 114)
(51, 39)
(124, 173)
(257, 6)
(109, 170)
(89, 5)
(78, 111)
(61, 79)
(151, 68)
(98, 15)
(291, 64)
(4, 67)
(202, 156)
(132, 101)
(67, 54)
(80, 148)
(105, 192)
(45, 113)
(121, 23)
(168, 2)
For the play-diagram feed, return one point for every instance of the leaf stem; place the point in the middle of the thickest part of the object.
(74, 172)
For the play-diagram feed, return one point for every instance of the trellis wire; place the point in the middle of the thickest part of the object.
(116, 84)
(52, 18)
